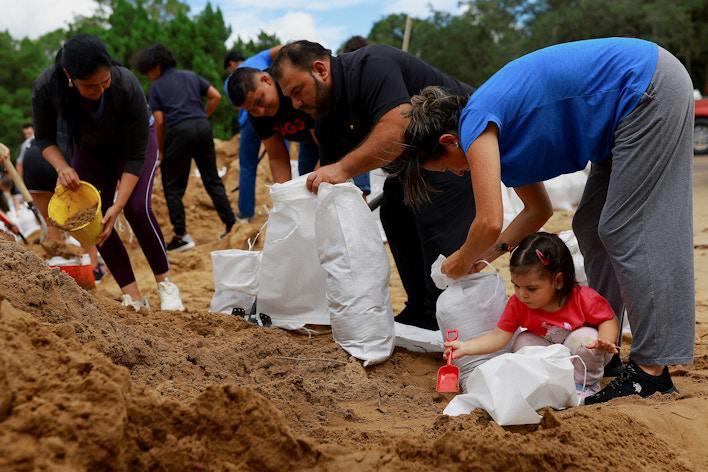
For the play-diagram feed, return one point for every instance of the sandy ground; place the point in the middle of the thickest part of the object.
(87, 385)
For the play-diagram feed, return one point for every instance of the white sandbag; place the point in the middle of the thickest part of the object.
(565, 190)
(415, 339)
(511, 203)
(235, 273)
(24, 219)
(472, 305)
(513, 386)
(568, 237)
(354, 258)
(291, 286)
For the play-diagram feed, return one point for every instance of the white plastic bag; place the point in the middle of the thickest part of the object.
(472, 305)
(568, 237)
(235, 274)
(353, 256)
(291, 286)
(513, 386)
(415, 339)
(566, 190)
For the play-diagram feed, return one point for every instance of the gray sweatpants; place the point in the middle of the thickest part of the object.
(634, 222)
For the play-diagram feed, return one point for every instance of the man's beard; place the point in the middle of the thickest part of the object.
(323, 95)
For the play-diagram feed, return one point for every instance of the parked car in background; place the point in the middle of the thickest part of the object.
(700, 129)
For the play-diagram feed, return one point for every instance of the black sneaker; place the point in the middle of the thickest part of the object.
(180, 243)
(614, 367)
(634, 381)
(227, 230)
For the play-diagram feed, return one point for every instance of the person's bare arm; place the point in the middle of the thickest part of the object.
(160, 133)
(274, 51)
(213, 98)
(66, 175)
(126, 185)
(485, 344)
(381, 146)
(607, 333)
(279, 159)
(537, 210)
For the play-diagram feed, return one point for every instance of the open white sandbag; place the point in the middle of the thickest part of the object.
(235, 274)
(568, 237)
(415, 339)
(511, 203)
(24, 219)
(352, 254)
(511, 387)
(291, 283)
(472, 305)
(566, 190)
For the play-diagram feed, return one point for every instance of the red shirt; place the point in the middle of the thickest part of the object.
(585, 307)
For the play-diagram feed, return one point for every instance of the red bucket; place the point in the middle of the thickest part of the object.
(82, 274)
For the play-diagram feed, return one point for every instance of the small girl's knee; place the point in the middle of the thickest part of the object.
(527, 339)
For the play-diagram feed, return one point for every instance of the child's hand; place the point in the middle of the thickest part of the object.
(603, 345)
(457, 347)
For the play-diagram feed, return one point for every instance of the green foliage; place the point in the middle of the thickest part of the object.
(126, 26)
(489, 33)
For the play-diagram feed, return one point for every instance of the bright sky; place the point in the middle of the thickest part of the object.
(327, 21)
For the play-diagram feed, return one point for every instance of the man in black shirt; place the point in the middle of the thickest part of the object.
(275, 119)
(359, 100)
(183, 133)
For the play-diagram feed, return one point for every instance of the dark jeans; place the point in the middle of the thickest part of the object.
(417, 236)
(184, 141)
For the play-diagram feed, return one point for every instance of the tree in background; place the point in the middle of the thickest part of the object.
(198, 43)
(489, 33)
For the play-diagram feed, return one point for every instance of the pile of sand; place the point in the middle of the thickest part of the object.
(88, 385)
(164, 395)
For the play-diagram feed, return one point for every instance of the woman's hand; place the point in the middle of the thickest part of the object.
(457, 265)
(603, 345)
(68, 177)
(109, 220)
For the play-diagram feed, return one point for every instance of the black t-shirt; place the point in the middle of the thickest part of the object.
(118, 130)
(178, 94)
(290, 123)
(368, 83)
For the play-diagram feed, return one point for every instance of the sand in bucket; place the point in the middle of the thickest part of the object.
(78, 212)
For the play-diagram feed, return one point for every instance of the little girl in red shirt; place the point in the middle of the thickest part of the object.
(554, 309)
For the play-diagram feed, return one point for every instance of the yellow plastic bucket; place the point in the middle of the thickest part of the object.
(66, 203)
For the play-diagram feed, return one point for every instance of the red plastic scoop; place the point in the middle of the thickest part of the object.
(449, 375)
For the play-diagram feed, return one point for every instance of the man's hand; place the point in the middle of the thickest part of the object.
(68, 177)
(109, 220)
(331, 173)
(4, 153)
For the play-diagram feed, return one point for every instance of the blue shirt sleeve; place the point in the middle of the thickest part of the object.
(473, 123)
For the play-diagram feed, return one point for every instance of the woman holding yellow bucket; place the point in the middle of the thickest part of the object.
(113, 145)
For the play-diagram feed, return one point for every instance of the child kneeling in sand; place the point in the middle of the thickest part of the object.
(554, 309)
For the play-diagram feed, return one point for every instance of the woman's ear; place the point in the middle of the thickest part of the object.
(448, 139)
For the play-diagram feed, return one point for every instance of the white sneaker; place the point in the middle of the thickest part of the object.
(169, 296)
(137, 305)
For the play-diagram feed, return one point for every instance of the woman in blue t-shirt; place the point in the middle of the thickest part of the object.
(626, 106)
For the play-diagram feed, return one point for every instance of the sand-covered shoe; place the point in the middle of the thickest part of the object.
(137, 305)
(169, 296)
(634, 381)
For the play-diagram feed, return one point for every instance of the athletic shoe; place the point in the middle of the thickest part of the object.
(181, 243)
(243, 219)
(584, 391)
(98, 272)
(614, 367)
(226, 232)
(634, 381)
(169, 296)
(137, 305)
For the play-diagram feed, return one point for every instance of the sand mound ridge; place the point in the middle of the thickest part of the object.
(93, 386)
